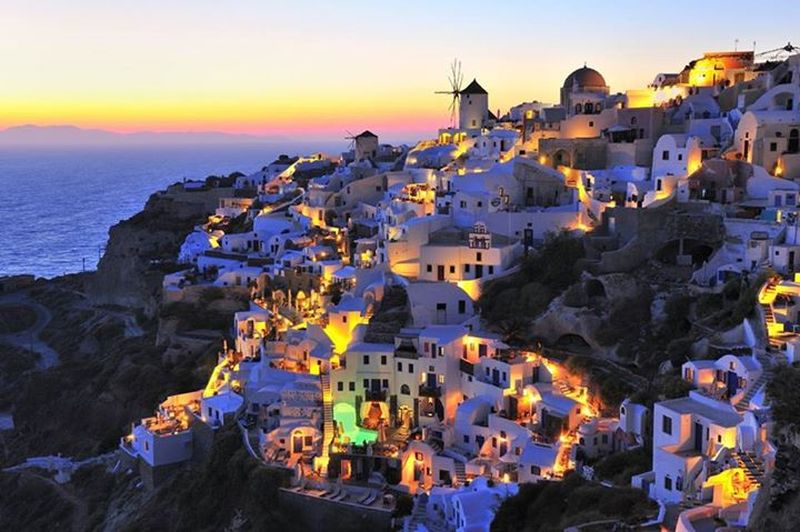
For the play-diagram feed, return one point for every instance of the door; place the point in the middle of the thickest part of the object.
(431, 382)
(440, 272)
(698, 437)
(482, 350)
(746, 149)
(496, 377)
(733, 383)
(478, 271)
(794, 141)
(297, 443)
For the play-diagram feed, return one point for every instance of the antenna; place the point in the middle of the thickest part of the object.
(456, 78)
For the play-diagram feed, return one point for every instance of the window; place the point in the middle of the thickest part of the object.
(429, 268)
(773, 146)
(385, 383)
(399, 366)
(352, 386)
(452, 268)
(622, 410)
(466, 268)
(494, 442)
(666, 425)
(366, 360)
(591, 124)
(405, 390)
(366, 384)
(462, 306)
(478, 256)
(668, 483)
(344, 318)
(466, 438)
(411, 368)
(633, 120)
(383, 360)
(665, 155)
(679, 483)
(463, 204)
(605, 438)
(340, 386)
(146, 445)
(480, 204)
(536, 470)
(719, 438)
(491, 270)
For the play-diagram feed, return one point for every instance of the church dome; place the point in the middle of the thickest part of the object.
(585, 77)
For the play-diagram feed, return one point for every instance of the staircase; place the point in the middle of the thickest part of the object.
(752, 465)
(418, 514)
(327, 414)
(564, 459)
(461, 473)
(744, 403)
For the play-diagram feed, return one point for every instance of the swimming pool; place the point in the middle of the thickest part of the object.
(345, 414)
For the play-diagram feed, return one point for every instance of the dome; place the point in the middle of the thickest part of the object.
(585, 77)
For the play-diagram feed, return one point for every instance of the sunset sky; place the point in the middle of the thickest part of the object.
(317, 68)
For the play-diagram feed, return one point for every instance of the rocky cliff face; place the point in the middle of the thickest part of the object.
(130, 272)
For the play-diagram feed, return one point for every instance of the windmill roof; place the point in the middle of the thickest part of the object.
(474, 88)
(366, 133)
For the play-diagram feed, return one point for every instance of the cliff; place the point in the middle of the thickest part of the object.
(142, 248)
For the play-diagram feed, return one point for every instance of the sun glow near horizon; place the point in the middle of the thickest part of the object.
(318, 68)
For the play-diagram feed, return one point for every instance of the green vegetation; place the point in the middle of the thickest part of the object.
(509, 303)
(784, 393)
(551, 506)
(620, 467)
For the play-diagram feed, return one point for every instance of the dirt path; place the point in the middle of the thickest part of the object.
(29, 338)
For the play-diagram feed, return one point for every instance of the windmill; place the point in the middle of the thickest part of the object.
(777, 52)
(352, 139)
(455, 78)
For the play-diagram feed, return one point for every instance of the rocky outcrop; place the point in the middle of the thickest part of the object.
(130, 272)
(561, 323)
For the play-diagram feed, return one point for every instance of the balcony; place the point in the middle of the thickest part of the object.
(430, 391)
(375, 395)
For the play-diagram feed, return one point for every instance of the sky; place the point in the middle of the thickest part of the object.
(315, 69)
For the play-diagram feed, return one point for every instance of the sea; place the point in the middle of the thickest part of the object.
(58, 203)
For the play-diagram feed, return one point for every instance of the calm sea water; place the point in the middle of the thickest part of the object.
(57, 204)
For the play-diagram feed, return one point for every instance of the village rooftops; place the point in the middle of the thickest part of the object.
(723, 415)
(364, 347)
(539, 454)
(443, 334)
(225, 255)
(454, 236)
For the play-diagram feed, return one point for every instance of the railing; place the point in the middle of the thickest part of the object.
(375, 395)
(430, 391)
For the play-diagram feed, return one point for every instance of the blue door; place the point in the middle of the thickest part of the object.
(431, 380)
(733, 383)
